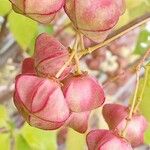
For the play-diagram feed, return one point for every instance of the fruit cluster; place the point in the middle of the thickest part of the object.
(95, 18)
(50, 93)
(48, 102)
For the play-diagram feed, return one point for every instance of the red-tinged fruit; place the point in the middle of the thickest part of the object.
(83, 93)
(116, 118)
(28, 66)
(79, 121)
(43, 11)
(50, 55)
(95, 18)
(41, 102)
(106, 140)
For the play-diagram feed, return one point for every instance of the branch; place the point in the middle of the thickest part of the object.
(118, 33)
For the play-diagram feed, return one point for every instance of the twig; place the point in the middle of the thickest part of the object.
(75, 47)
(66, 64)
(117, 34)
(133, 106)
(143, 89)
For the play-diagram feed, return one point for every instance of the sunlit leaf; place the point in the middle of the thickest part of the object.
(75, 140)
(143, 42)
(5, 7)
(23, 29)
(130, 4)
(48, 29)
(39, 139)
(21, 143)
(147, 137)
(145, 104)
(141, 8)
(3, 116)
(4, 141)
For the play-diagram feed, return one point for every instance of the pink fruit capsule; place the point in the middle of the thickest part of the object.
(78, 121)
(43, 11)
(106, 140)
(41, 102)
(94, 18)
(116, 115)
(28, 66)
(83, 93)
(50, 55)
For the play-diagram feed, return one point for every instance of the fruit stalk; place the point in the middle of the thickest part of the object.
(143, 89)
(66, 64)
(134, 106)
(75, 47)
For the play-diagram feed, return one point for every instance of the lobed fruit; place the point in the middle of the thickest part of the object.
(95, 18)
(83, 93)
(43, 11)
(37, 99)
(43, 100)
(78, 121)
(106, 140)
(50, 55)
(116, 115)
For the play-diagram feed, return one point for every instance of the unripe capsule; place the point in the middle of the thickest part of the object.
(94, 18)
(43, 11)
(83, 93)
(106, 140)
(116, 118)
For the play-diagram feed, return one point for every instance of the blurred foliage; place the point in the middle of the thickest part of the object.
(23, 29)
(137, 8)
(5, 141)
(144, 105)
(147, 137)
(26, 138)
(75, 141)
(39, 139)
(5, 7)
(143, 41)
(3, 117)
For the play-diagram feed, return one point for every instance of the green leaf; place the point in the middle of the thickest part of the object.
(5, 7)
(31, 48)
(144, 38)
(130, 4)
(145, 104)
(3, 116)
(39, 139)
(141, 8)
(24, 29)
(21, 143)
(4, 141)
(44, 28)
(147, 137)
(75, 141)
